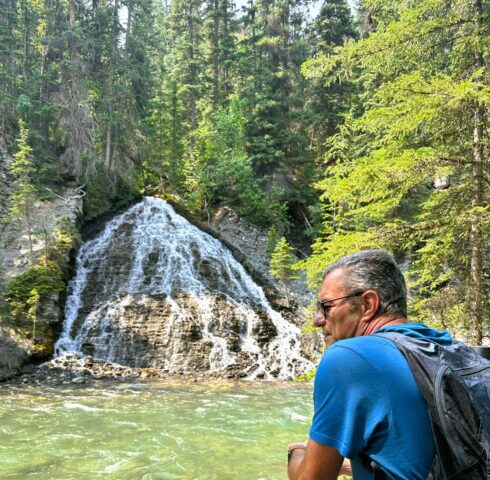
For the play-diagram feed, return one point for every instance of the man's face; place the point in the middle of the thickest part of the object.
(344, 316)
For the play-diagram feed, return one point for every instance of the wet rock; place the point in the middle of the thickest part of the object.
(156, 332)
(149, 372)
(250, 244)
(13, 353)
(183, 333)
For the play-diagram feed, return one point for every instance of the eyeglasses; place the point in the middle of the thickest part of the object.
(323, 306)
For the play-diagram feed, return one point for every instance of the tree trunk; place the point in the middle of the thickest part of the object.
(477, 267)
(77, 139)
(192, 71)
(477, 241)
(27, 216)
(224, 66)
(109, 151)
(254, 45)
(174, 159)
(128, 29)
(25, 38)
(43, 120)
(107, 160)
(8, 59)
(216, 46)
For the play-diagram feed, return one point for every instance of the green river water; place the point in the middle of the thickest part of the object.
(164, 430)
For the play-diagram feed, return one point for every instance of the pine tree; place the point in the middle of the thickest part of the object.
(76, 121)
(281, 265)
(329, 103)
(24, 194)
(271, 52)
(8, 65)
(187, 30)
(220, 30)
(166, 110)
(219, 169)
(425, 122)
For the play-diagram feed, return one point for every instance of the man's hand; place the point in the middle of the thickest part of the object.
(346, 468)
(301, 445)
(311, 460)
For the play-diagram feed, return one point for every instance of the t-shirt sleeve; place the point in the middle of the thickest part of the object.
(351, 402)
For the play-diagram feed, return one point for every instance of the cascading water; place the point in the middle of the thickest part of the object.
(152, 290)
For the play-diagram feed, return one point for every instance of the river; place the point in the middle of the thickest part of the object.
(158, 430)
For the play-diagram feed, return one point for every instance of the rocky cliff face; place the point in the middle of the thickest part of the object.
(176, 335)
(16, 344)
(249, 244)
(13, 352)
(66, 203)
(168, 330)
(152, 290)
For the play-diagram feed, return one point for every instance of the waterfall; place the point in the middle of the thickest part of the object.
(152, 290)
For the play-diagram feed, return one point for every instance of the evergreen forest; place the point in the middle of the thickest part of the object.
(333, 126)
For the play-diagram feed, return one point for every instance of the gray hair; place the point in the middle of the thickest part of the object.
(374, 270)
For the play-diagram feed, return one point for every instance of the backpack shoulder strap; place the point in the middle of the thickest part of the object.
(456, 424)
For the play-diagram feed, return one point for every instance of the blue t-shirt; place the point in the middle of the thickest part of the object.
(367, 401)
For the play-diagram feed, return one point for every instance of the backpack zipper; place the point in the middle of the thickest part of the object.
(471, 370)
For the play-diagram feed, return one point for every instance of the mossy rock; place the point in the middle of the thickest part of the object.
(41, 349)
(45, 278)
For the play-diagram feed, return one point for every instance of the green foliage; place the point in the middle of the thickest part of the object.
(59, 243)
(422, 121)
(445, 310)
(105, 193)
(22, 166)
(306, 377)
(32, 307)
(25, 291)
(282, 260)
(97, 198)
(24, 193)
(194, 99)
(217, 168)
(65, 234)
(272, 241)
(329, 102)
(22, 169)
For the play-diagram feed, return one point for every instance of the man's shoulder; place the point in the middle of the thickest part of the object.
(362, 354)
(358, 342)
(371, 344)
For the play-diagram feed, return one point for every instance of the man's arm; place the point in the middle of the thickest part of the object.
(317, 462)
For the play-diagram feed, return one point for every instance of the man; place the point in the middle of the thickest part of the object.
(367, 405)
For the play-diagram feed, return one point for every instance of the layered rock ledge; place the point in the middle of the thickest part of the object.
(72, 369)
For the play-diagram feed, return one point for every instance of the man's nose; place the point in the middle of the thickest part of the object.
(318, 319)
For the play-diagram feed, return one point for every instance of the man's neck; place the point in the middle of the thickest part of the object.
(383, 321)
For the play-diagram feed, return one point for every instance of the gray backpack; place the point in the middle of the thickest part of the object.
(455, 382)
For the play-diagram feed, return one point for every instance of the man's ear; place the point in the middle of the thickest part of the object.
(370, 304)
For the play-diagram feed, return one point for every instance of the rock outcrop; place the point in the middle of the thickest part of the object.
(152, 290)
(169, 331)
(66, 203)
(177, 335)
(249, 244)
(13, 353)
(16, 343)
